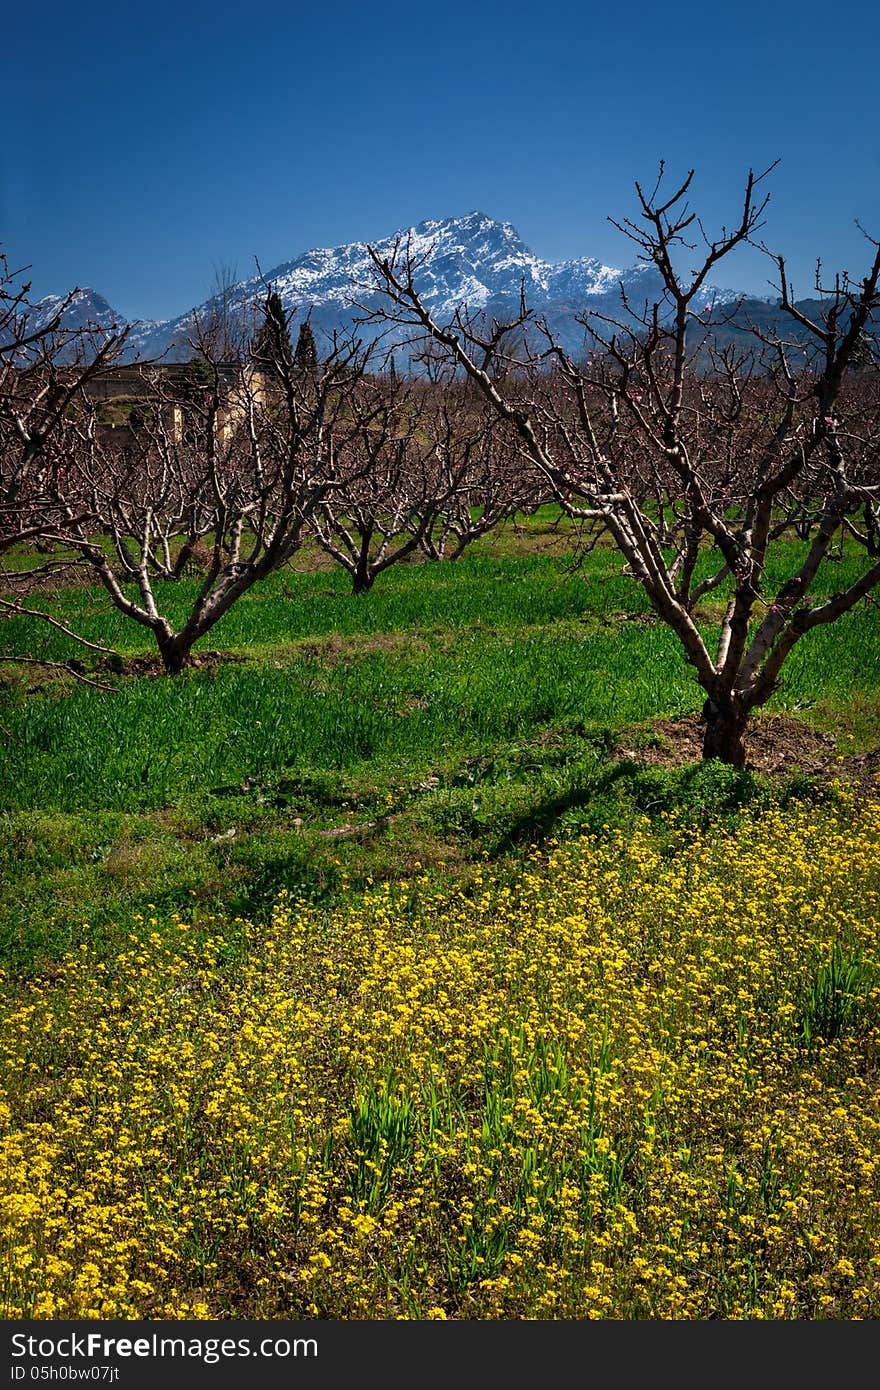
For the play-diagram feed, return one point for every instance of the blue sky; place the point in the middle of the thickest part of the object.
(144, 147)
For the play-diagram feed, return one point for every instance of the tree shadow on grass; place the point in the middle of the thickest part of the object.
(696, 795)
(541, 821)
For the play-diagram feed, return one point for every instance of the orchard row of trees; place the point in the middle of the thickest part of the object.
(227, 473)
(695, 460)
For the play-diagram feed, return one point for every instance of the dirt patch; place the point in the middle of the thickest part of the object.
(348, 832)
(152, 665)
(776, 743)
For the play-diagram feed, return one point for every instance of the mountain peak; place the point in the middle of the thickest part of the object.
(85, 308)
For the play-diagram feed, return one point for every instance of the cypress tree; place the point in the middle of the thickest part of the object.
(270, 345)
(306, 356)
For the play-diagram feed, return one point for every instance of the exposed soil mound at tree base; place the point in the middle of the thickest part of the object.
(776, 743)
(153, 666)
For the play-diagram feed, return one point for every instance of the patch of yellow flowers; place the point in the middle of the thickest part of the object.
(638, 1080)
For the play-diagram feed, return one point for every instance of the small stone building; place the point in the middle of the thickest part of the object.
(124, 394)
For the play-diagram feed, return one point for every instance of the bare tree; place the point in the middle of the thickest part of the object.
(696, 472)
(486, 480)
(218, 330)
(421, 480)
(380, 517)
(46, 368)
(222, 467)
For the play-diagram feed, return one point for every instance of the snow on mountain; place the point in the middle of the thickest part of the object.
(86, 309)
(472, 260)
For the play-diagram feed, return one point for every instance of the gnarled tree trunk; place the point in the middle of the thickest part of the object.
(174, 651)
(726, 724)
(362, 579)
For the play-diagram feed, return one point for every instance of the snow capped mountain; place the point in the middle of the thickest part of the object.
(86, 309)
(472, 260)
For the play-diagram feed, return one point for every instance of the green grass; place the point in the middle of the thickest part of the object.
(151, 743)
(454, 711)
(295, 605)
